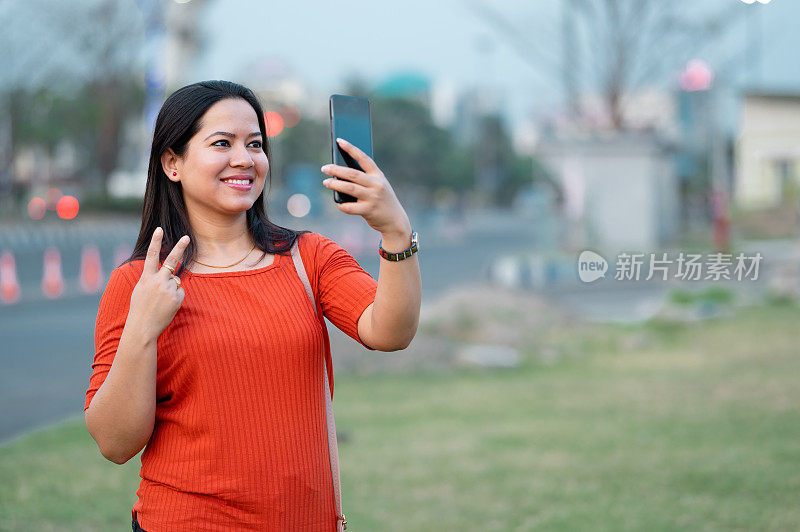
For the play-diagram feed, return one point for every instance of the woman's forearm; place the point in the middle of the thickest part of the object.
(391, 321)
(121, 415)
(395, 312)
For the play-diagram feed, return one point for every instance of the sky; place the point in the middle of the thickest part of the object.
(326, 42)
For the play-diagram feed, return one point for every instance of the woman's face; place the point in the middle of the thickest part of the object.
(227, 145)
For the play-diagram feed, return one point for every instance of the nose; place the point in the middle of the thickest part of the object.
(240, 157)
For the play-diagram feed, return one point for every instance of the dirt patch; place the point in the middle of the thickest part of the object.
(477, 314)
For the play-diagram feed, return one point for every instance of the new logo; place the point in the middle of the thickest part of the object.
(591, 266)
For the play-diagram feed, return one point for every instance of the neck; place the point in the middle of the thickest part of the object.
(221, 241)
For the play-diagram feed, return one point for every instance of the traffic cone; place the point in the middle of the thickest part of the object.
(91, 269)
(9, 286)
(52, 280)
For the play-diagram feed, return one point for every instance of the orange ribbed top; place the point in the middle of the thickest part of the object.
(240, 440)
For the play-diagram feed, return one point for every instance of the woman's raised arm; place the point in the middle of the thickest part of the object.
(391, 321)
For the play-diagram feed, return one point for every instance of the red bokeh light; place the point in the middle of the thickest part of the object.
(274, 123)
(36, 208)
(697, 76)
(67, 207)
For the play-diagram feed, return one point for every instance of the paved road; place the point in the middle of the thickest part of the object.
(47, 346)
(46, 356)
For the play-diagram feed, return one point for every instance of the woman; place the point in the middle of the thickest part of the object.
(210, 353)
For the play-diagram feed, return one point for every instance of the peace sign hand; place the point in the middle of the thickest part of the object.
(156, 298)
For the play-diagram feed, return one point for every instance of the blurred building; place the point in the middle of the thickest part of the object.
(645, 109)
(768, 151)
(620, 190)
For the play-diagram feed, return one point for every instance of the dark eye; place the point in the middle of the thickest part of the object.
(215, 143)
(257, 143)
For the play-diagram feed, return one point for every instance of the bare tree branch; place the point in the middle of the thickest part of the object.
(544, 64)
(634, 42)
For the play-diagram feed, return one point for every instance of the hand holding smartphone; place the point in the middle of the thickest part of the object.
(350, 120)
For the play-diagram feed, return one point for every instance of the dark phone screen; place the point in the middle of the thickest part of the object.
(350, 120)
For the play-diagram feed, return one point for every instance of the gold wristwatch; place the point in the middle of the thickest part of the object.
(394, 257)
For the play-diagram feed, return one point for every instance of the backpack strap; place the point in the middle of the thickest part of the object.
(333, 448)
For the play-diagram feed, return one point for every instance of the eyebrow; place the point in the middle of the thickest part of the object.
(231, 135)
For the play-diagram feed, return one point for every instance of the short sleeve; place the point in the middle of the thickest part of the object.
(111, 316)
(343, 287)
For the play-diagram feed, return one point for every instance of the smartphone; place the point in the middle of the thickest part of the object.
(350, 120)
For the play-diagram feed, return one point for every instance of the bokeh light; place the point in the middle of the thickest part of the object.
(67, 207)
(290, 114)
(697, 76)
(298, 205)
(274, 123)
(36, 208)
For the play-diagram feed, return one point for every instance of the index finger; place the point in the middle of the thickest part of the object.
(366, 162)
(175, 254)
(153, 252)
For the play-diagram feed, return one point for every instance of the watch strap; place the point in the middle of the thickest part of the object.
(394, 257)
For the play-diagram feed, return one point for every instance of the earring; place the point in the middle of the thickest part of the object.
(174, 174)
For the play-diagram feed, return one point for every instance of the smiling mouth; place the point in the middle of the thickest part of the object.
(244, 184)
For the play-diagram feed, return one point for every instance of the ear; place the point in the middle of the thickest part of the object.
(170, 163)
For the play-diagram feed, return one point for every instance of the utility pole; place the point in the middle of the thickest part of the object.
(571, 68)
(720, 197)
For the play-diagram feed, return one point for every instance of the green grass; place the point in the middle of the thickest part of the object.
(713, 294)
(653, 427)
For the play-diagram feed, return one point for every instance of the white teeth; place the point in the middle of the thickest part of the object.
(237, 181)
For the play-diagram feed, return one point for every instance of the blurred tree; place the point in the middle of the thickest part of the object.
(459, 171)
(504, 171)
(418, 156)
(423, 162)
(627, 43)
(493, 157)
(67, 57)
(117, 99)
(47, 117)
(44, 118)
(635, 42)
(307, 142)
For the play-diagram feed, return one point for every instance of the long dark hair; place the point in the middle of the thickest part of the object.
(178, 121)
